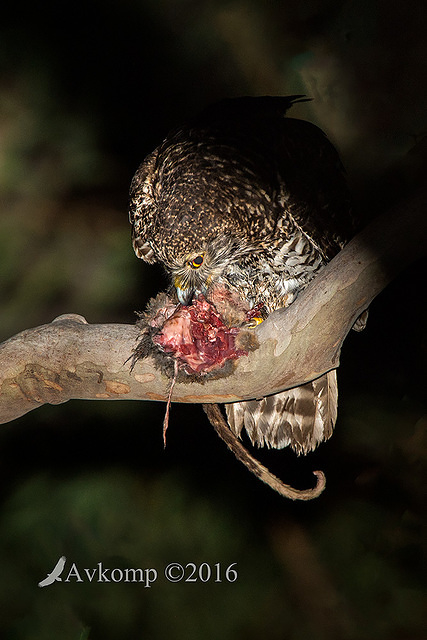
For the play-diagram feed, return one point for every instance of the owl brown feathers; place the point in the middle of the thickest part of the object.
(251, 201)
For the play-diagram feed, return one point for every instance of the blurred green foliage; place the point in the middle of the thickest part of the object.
(86, 90)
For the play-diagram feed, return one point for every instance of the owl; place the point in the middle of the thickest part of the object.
(245, 199)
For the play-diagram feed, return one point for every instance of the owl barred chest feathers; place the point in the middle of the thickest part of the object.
(254, 201)
(274, 275)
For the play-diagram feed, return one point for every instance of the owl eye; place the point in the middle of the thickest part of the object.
(196, 263)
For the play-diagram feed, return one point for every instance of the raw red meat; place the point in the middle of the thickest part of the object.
(197, 337)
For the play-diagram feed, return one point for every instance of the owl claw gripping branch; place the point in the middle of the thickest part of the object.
(243, 206)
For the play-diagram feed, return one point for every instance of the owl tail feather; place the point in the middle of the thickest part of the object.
(217, 420)
(300, 418)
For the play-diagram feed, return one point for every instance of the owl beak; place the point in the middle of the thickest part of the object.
(185, 296)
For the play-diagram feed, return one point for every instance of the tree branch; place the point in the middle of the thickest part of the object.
(70, 358)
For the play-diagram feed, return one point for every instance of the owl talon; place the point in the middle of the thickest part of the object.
(254, 322)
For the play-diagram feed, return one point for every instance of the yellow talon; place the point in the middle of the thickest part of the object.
(254, 322)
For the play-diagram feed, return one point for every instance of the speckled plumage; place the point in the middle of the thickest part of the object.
(260, 199)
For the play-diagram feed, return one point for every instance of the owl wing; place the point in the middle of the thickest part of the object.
(313, 189)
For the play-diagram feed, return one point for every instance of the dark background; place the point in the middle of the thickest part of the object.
(87, 89)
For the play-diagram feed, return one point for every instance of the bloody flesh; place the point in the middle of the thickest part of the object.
(198, 338)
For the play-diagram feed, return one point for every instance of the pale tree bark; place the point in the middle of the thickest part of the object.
(69, 358)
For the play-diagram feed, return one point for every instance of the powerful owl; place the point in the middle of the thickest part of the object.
(245, 198)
